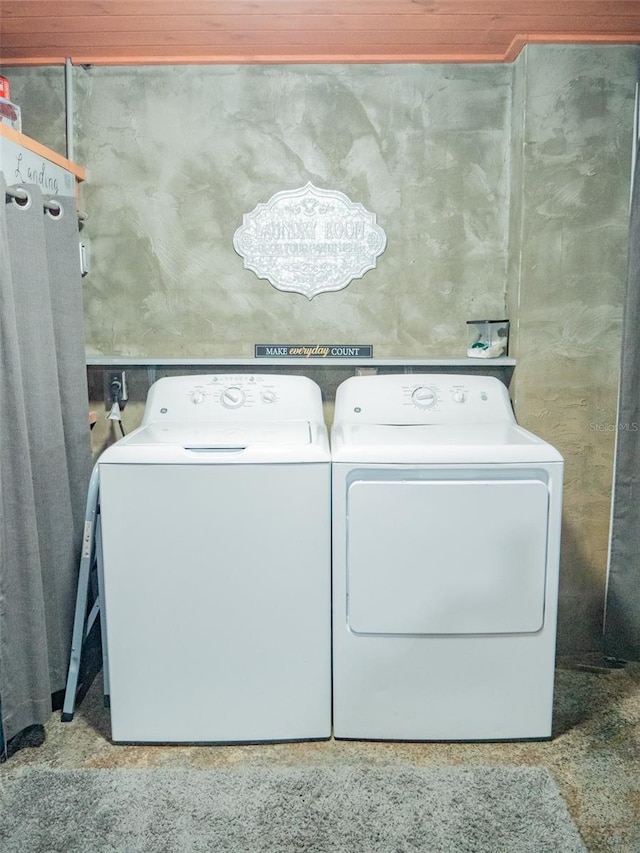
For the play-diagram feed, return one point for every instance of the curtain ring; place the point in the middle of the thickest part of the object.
(20, 197)
(53, 209)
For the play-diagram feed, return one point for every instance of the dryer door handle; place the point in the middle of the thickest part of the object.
(194, 448)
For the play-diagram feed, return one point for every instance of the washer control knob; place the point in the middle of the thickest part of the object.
(232, 397)
(459, 396)
(268, 396)
(197, 397)
(424, 397)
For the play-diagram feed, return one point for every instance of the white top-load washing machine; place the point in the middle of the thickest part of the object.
(216, 545)
(446, 538)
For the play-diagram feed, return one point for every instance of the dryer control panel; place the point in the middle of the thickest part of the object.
(423, 399)
(240, 397)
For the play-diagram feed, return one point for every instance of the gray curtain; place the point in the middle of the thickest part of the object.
(622, 612)
(45, 456)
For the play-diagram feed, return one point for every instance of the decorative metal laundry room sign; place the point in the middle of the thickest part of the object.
(309, 240)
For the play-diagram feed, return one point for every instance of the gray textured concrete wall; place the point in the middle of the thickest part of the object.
(176, 156)
(501, 189)
(40, 93)
(566, 283)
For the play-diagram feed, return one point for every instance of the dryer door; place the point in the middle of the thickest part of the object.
(438, 556)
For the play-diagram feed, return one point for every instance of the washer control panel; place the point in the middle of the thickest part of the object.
(423, 399)
(237, 397)
(231, 392)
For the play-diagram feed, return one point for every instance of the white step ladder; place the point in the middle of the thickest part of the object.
(90, 562)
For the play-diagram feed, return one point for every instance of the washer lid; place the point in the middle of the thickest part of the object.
(207, 442)
(438, 443)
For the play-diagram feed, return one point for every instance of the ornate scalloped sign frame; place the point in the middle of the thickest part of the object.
(309, 240)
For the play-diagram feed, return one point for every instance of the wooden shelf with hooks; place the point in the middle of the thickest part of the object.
(12, 135)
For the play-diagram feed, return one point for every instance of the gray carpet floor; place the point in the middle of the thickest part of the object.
(324, 810)
(593, 756)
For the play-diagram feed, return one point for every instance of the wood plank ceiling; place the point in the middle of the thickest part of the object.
(111, 32)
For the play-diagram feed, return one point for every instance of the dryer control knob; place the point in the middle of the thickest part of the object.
(423, 397)
(232, 397)
(459, 396)
(197, 397)
(268, 396)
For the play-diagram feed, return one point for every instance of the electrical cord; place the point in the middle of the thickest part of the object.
(118, 400)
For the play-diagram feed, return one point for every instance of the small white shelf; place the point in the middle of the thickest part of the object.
(327, 372)
(463, 363)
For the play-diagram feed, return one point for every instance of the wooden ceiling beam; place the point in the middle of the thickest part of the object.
(261, 31)
(295, 24)
(178, 8)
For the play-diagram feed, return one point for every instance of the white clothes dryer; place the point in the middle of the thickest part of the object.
(217, 547)
(446, 541)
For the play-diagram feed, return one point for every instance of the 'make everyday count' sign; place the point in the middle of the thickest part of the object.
(313, 351)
